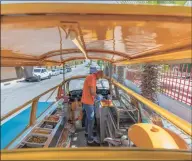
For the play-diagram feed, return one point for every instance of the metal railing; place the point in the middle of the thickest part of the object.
(175, 120)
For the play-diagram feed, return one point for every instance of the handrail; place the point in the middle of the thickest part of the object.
(37, 97)
(29, 126)
(27, 103)
(177, 121)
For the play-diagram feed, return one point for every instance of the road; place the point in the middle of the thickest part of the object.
(15, 95)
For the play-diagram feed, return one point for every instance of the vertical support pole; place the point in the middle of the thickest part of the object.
(33, 112)
(59, 92)
(110, 83)
(63, 79)
(117, 95)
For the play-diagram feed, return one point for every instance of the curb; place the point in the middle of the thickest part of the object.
(5, 84)
(12, 82)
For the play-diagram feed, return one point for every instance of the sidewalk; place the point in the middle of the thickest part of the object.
(12, 82)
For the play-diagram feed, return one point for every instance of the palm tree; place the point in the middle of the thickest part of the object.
(149, 83)
(120, 74)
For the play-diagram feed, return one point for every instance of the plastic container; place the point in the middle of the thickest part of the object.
(48, 124)
(42, 131)
(52, 118)
(35, 141)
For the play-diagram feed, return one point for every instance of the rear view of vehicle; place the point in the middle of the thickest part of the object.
(61, 71)
(55, 72)
(38, 74)
(68, 69)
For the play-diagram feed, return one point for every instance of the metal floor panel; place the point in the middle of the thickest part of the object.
(78, 139)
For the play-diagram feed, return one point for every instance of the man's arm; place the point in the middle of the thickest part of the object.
(92, 91)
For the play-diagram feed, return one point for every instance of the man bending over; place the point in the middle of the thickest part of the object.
(88, 97)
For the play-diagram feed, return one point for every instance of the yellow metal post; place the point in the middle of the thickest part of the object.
(59, 91)
(33, 112)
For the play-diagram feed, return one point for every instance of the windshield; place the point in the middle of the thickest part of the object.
(37, 70)
(103, 84)
(76, 84)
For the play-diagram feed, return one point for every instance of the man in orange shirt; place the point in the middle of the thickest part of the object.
(88, 98)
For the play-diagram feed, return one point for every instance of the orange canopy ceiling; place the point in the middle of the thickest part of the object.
(48, 34)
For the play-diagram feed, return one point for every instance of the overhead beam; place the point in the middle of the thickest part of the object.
(48, 21)
(104, 9)
(184, 55)
(11, 62)
(11, 54)
(186, 45)
(69, 51)
(82, 58)
(57, 52)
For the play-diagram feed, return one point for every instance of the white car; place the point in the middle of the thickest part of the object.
(61, 71)
(39, 74)
(55, 72)
(50, 72)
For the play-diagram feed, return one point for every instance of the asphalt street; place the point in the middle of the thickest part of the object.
(17, 94)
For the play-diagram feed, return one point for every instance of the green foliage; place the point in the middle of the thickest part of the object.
(166, 68)
(149, 84)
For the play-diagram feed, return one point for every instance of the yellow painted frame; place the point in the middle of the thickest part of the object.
(118, 9)
(182, 56)
(95, 154)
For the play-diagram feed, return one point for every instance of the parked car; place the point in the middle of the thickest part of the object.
(68, 69)
(61, 70)
(55, 72)
(50, 72)
(38, 74)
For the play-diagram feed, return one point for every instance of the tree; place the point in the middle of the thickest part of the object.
(149, 82)
(120, 74)
(149, 75)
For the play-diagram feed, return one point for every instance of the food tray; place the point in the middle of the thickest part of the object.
(52, 118)
(24, 145)
(30, 140)
(42, 131)
(48, 124)
(60, 114)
